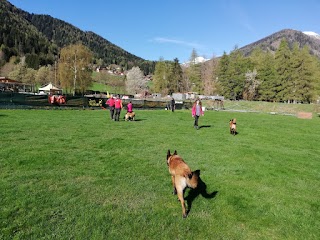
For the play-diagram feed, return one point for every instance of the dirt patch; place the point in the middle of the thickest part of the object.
(305, 115)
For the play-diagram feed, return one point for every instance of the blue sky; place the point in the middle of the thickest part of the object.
(168, 29)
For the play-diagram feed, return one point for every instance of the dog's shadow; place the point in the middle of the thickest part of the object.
(200, 190)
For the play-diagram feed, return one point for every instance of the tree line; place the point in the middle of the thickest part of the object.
(288, 75)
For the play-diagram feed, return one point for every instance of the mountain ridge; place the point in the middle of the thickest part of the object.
(272, 42)
(40, 34)
(49, 34)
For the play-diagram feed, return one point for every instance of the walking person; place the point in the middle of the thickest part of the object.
(129, 107)
(118, 107)
(173, 104)
(197, 112)
(111, 103)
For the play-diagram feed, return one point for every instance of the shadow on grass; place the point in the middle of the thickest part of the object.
(139, 120)
(200, 190)
(205, 126)
(236, 133)
(135, 120)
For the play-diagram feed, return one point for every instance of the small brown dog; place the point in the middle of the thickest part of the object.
(182, 177)
(233, 126)
(130, 116)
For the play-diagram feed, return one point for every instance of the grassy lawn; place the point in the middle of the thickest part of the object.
(75, 174)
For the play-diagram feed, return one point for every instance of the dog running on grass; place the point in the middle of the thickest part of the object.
(233, 126)
(130, 116)
(182, 177)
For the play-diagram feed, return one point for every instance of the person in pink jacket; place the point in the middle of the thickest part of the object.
(118, 107)
(129, 107)
(110, 102)
(197, 112)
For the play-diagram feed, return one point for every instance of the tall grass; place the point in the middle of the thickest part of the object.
(78, 175)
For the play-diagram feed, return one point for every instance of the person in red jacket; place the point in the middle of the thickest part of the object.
(197, 112)
(118, 107)
(111, 103)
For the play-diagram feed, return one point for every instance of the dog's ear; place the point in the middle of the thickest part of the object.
(175, 152)
(168, 154)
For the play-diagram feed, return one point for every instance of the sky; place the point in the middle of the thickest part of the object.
(169, 29)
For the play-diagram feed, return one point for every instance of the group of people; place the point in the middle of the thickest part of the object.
(115, 107)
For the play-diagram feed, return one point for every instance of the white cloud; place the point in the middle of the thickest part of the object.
(178, 42)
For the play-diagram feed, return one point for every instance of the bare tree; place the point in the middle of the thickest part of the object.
(75, 67)
(251, 86)
(136, 82)
(208, 76)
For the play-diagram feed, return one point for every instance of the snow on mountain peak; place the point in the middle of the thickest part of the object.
(197, 60)
(312, 34)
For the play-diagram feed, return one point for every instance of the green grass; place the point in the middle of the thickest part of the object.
(74, 174)
(267, 107)
(106, 88)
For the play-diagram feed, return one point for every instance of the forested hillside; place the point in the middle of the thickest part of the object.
(271, 43)
(18, 37)
(41, 36)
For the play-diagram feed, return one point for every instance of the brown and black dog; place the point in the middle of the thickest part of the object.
(233, 126)
(130, 116)
(182, 177)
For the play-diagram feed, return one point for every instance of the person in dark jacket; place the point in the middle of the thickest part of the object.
(173, 104)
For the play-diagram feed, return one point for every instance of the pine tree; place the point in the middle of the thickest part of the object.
(267, 77)
(160, 77)
(223, 75)
(237, 69)
(175, 77)
(303, 75)
(283, 69)
(194, 73)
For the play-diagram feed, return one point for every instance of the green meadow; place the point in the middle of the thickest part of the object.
(75, 174)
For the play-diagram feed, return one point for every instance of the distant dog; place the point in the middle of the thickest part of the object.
(182, 177)
(130, 116)
(233, 126)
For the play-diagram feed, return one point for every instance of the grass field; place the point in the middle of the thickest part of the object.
(75, 174)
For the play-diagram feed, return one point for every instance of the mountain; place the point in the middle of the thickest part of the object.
(272, 42)
(23, 33)
(313, 34)
(196, 61)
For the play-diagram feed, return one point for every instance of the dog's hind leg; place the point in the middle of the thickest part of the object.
(183, 205)
(180, 186)
(174, 186)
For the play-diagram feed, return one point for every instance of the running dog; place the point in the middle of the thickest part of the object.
(233, 126)
(182, 177)
(130, 116)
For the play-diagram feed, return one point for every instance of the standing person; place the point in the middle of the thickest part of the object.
(111, 103)
(129, 107)
(118, 107)
(197, 112)
(173, 104)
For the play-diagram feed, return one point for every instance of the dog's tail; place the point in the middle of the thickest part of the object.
(193, 179)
